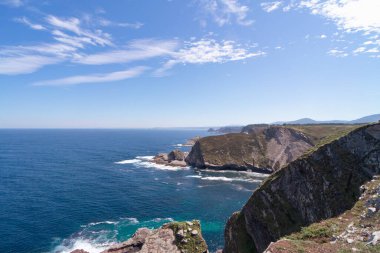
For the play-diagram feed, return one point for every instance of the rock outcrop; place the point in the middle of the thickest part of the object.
(174, 158)
(174, 237)
(315, 187)
(264, 149)
(356, 230)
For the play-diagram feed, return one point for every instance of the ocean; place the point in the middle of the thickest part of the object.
(66, 189)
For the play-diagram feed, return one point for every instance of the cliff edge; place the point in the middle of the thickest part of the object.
(265, 149)
(317, 186)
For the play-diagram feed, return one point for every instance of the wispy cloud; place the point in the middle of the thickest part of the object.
(226, 11)
(26, 21)
(136, 50)
(74, 25)
(271, 6)
(94, 78)
(337, 53)
(106, 22)
(208, 51)
(24, 64)
(12, 3)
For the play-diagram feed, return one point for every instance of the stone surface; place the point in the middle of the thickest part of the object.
(170, 238)
(175, 158)
(265, 150)
(315, 187)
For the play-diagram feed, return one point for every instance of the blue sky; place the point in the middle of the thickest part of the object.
(144, 63)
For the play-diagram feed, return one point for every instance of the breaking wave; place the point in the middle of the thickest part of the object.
(95, 237)
(146, 162)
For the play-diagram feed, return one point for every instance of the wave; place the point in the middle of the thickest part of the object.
(128, 161)
(96, 237)
(146, 162)
(249, 173)
(226, 179)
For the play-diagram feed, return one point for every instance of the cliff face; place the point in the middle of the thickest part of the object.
(318, 186)
(266, 149)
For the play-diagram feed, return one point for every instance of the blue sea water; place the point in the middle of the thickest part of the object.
(67, 189)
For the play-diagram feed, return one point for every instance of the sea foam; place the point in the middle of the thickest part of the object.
(147, 162)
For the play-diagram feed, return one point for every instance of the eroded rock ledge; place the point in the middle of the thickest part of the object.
(315, 187)
(174, 237)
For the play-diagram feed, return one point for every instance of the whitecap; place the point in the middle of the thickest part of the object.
(152, 165)
(163, 219)
(103, 222)
(195, 176)
(130, 161)
(131, 220)
(79, 243)
(146, 162)
(226, 179)
(249, 173)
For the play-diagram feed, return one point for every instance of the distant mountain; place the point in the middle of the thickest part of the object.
(304, 121)
(366, 119)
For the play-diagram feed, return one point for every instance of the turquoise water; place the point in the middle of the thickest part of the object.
(67, 189)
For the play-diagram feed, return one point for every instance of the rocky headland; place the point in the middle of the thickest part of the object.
(261, 148)
(293, 207)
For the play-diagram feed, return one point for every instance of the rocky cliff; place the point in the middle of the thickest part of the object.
(263, 149)
(317, 186)
(174, 237)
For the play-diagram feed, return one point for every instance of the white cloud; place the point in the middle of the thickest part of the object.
(136, 50)
(12, 3)
(337, 53)
(208, 51)
(373, 50)
(323, 36)
(94, 78)
(349, 15)
(226, 11)
(359, 50)
(106, 22)
(271, 6)
(24, 64)
(73, 25)
(26, 21)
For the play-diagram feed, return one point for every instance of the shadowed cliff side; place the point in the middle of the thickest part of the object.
(315, 187)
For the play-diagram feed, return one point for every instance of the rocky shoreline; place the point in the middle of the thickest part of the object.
(326, 201)
(173, 237)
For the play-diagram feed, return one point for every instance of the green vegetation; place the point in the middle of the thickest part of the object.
(321, 232)
(334, 135)
(318, 132)
(188, 243)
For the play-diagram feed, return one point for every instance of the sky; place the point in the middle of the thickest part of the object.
(177, 63)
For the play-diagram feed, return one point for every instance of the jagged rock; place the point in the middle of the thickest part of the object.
(175, 158)
(318, 186)
(176, 155)
(162, 240)
(79, 251)
(194, 232)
